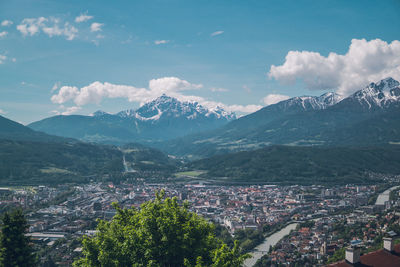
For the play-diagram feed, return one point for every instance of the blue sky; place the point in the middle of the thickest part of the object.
(219, 52)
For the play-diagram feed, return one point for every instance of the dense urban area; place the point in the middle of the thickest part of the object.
(323, 220)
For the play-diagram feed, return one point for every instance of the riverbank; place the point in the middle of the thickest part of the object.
(384, 196)
(269, 241)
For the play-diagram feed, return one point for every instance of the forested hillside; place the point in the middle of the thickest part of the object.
(36, 163)
(303, 165)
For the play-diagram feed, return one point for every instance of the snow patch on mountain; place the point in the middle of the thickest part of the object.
(126, 113)
(165, 106)
(311, 102)
(381, 94)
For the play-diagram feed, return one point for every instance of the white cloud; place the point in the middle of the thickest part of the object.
(31, 26)
(83, 18)
(2, 112)
(172, 86)
(214, 89)
(66, 110)
(158, 42)
(244, 108)
(65, 94)
(6, 23)
(55, 87)
(14, 59)
(68, 31)
(96, 27)
(70, 110)
(274, 98)
(364, 62)
(51, 27)
(216, 33)
(96, 91)
(2, 59)
(3, 34)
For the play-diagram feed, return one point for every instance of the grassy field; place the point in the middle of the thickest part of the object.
(189, 173)
(50, 170)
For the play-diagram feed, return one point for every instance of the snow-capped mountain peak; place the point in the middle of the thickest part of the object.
(129, 113)
(387, 84)
(329, 99)
(221, 112)
(311, 102)
(378, 95)
(169, 107)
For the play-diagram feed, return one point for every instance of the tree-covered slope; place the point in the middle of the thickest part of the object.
(12, 130)
(142, 158)
(303, 165)
(369, 116)
(321, 127)
(24, 162)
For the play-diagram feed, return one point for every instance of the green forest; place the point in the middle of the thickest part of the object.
(303, 165)
(23, 162)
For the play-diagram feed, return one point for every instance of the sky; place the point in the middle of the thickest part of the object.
(76, 57)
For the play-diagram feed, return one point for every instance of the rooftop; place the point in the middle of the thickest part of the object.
(377, 258)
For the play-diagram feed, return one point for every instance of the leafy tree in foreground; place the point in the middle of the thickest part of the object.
(14, 245)
(161, 233)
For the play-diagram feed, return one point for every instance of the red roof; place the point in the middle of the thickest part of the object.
(375, 259)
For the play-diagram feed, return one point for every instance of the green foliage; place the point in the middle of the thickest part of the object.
(222, 233)
(14, 245)
(308, 224)
(337, 256)
(149, 159)
(249, 238)
(303, 165)
(35, 162)
(161, 233)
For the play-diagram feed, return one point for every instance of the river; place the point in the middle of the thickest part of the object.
(383, 197)
(263, 248)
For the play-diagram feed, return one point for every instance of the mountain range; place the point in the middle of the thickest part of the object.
(370, 116)
(11, 130)
(161, 119)
(30, 157)
(326, 139)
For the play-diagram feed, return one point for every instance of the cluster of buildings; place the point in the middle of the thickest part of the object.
(60, 215)
(316, 241)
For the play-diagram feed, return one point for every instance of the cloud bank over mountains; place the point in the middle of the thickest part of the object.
(364, 62)
(274, 98)
(172, 86)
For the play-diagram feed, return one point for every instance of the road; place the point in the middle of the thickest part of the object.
(127, 168)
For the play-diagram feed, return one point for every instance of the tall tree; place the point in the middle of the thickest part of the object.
(15, 249)
(160, 233)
